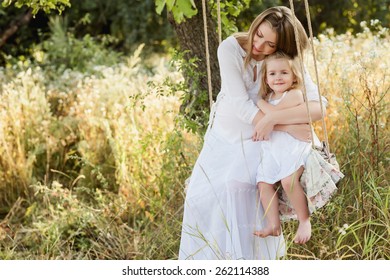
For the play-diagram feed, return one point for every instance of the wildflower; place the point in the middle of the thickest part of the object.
(374, 22)
(56, 184)
(342, 231)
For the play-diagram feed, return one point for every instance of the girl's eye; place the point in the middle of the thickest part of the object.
(272, 45)
(260, 35)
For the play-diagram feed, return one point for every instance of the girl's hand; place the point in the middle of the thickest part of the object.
(300, 131)
(263, 128)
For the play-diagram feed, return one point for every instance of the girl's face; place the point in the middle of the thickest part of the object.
(279, 75)
(264, 41)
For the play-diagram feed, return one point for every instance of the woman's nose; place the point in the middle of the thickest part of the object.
(259, 44)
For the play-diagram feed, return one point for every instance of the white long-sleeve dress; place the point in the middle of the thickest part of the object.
(222, 208)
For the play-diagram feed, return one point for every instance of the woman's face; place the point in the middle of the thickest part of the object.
(264, 41)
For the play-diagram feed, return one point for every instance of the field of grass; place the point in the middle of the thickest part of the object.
(92, 165)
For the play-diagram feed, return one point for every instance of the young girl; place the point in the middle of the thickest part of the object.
(283, 156)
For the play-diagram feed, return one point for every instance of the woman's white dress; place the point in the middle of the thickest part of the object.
(222, 208)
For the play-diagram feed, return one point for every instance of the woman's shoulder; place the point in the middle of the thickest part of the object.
(231, 41)
(230, 44)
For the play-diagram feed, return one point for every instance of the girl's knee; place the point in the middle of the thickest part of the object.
(289, 182)
(262, 185)
(286, 183)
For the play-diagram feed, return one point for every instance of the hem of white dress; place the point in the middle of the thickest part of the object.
(273, 181)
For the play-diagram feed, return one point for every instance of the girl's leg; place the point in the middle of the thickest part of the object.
(269, 200)
(297, 196)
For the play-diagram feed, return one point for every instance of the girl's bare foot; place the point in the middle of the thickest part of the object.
(268, 231)
(304, 232)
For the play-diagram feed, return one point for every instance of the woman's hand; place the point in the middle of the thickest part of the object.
(263, 128)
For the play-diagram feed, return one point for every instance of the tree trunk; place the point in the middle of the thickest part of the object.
(191, 37)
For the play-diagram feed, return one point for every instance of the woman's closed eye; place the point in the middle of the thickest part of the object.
(270, 44)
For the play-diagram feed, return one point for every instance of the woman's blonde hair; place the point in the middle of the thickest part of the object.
(281, 21)
(295, 66)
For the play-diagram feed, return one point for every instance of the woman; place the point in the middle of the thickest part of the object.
(222, 210)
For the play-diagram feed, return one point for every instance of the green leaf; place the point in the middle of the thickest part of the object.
(6, 3)
(170, 4)
(46, 5)
(193, 3)
(160, 4)
(186, 8)
(178, 15)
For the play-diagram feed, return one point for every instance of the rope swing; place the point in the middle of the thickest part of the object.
(219, 21)
(298, 44)
(210, 89)
(316, 71)
(206, 38)
(326, 148)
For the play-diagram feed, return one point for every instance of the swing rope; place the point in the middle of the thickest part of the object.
(326, 148)
(219, 21)
(302, 68)
(317, 76)
(207, 53)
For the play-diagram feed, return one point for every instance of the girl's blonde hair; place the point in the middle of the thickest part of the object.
(265, 90)
(281, 21)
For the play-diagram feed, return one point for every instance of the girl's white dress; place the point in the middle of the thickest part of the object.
(281, 155)
(222, 208)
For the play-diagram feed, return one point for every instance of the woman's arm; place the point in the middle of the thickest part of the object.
(300, 131)
(265, 107)
(265, 123)
(232, 81)
(293, 98)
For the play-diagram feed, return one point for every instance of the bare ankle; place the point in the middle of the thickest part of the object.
(276, 230)
(304, 220)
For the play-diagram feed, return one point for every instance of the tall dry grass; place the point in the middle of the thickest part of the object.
(354, 75)
(92, 166)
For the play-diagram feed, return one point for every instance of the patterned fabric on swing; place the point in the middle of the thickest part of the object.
(319, 179)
